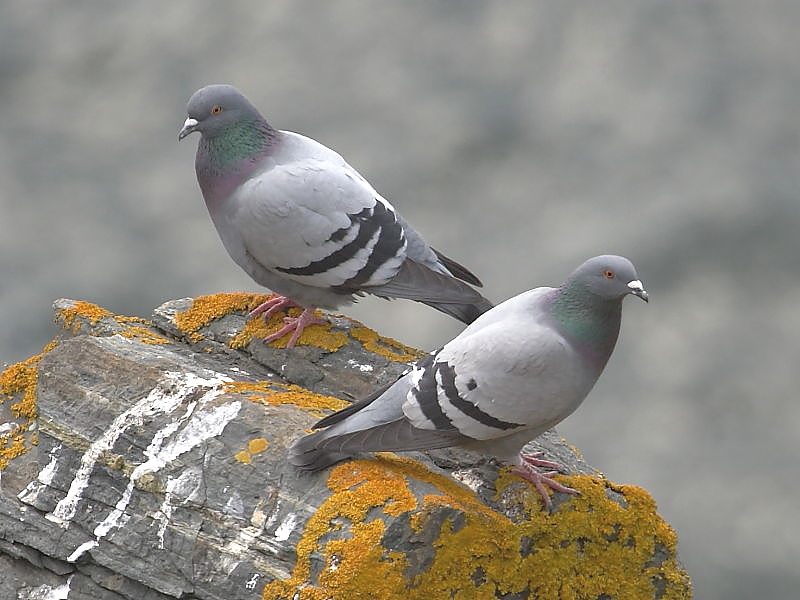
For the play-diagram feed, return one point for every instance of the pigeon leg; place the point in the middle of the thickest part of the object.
(271, 306)
(296, 324)
(534, 459)
(526, 469)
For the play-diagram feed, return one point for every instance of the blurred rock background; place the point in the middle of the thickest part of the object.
(520, 137)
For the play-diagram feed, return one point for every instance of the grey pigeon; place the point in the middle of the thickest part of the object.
(515, 372)
(302, 222)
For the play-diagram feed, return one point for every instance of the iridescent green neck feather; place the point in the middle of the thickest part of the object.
(590, 323)
(226, 158)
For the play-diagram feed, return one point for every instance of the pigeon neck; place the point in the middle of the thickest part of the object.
(590, 323)
(225, 160)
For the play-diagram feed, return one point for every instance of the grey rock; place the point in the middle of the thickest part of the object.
(160, 473)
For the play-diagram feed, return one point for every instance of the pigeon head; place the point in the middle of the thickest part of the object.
(217, 109)
(609, 277)
(588, 305)
(234, 137)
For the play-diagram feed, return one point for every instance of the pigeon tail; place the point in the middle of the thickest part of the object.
(351, 409)
(466, 313)
(324, 448)
(306, 456)
(458, 270)
(415, 281)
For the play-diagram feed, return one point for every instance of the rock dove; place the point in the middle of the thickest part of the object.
(302, 222)
(515, 372)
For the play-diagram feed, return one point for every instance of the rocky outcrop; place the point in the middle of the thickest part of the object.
(146, 460)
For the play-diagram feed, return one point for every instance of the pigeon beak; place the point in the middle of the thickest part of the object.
(637, 289)
(189, 125)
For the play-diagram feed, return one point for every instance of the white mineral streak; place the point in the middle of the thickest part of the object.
(234, 505)
(201, 426)
(196, 424)
(48, 472)
(45, 477)
(84, 547)
(164, 397)
(252, 582)
(468, 478)
(274, 514)
(178, 491)
(284, 530)
(239, 547)
(46, 592)
(357, 365)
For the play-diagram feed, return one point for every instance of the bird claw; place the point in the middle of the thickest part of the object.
(533, 459)
(292, 324)
(271, 306)
(297, 325)
(527, 471)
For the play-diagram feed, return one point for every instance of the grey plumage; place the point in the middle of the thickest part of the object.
(302, 222)
(516, 371)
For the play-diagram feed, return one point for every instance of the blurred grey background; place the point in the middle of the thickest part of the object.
(520, 138)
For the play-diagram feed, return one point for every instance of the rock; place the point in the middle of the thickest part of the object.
(155, 469)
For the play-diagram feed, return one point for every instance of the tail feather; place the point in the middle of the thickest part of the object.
(324, 448)
(415, 281)
(457, 269)
(351, 409)
(307, 456)
(466, 313)
(395, 436)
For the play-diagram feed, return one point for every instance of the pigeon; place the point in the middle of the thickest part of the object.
(515, 372)
(302, 222)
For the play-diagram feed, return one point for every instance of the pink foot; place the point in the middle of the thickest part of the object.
(296, 324)
(527, 470)
(271, 306)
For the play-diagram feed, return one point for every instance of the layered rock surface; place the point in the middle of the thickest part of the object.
(146, 460)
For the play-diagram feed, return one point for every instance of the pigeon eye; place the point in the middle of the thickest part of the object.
(216, 109)
(608, 274)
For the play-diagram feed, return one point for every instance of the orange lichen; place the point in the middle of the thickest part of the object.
(257, 445)
(205, 309)
(253, 329)
(242, 457)
(91, 312)
(254, 446)
(20, 379)
(363, 569)
(276, 393)
(132, 327)
(590, 547)
(136, 332)
(391, 349)
(320, 336)
(356, 567)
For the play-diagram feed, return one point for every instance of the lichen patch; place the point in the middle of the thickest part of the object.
(591, 547)
(205, 309)
(129, 327)
(276, 393)
(19, 381)
(378, 344)
(254, 446)
(321, 336)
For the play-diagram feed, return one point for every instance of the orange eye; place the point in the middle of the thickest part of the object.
(216, 109)
(608, 274)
